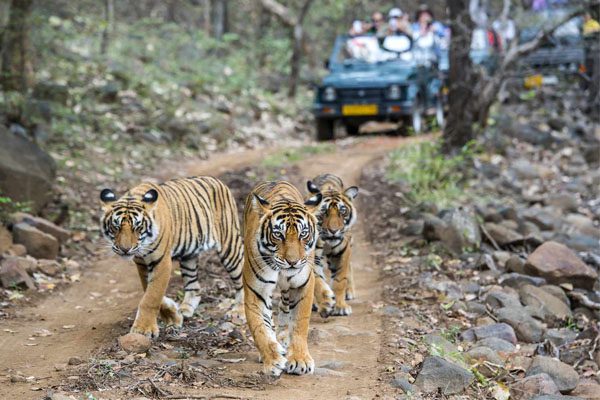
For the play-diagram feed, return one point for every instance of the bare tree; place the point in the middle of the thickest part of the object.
(109, 21)
(17, 68)
(219, 18)
(294, 24)
(471, 90)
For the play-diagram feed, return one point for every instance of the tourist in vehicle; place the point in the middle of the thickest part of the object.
(425, 24)
(357, 29)
(377, 25)
(590, 25)
(398, 23)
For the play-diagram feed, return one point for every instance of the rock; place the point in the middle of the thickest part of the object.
(61, 234)
(49, 267)
(515, 280)
(480, 355)
(548, 304)
(530, 133)
(557, 292)
(588, 390)
(541, 218)
(524, 169)
(561, 336)
(413, 228)
(26, 171)
(433, 227)
(438, 374)
(497, 344)
(37, 243)
(555, 397)
(582, 242)
(515, 264)
(500, 331)
(75, 361)
(498, 297)
(27, 263)
(441, 345)
(564, 376)
(13, 274)
(582, 224)
(17, 250)
(526, 327)
(525, 389)
(135, 343)
(61, 396)
(5, 239)
(401, 382)
(320, 371)
(317, 336)
(501, 234)
(558, 264)
(563, 201)
(464, 229)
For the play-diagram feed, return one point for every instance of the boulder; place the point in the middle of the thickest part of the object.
(498, 297)
(588, 390)
(515, 280)
(464, 228)
(561, 336)
(37, 243)
(541, 218)
(497, 344)
(558, 264)
(525, 389)
(26, 171)
(526, 327)
(548, 304)
(501, 234)
(438, 374)
(563, 201)
(43, 225)
(564, 376)
(500, 331)
(582, 224)
(5, 239)
(49, 267)
(515, 264)
(13, 275)
(480, 355)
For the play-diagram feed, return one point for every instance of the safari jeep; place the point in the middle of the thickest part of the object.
(368, 81)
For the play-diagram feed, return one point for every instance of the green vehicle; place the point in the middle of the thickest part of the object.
(396, 80)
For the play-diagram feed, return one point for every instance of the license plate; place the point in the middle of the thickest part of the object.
(360, 109)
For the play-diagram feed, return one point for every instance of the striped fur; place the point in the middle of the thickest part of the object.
(176, 220)
(280, 234)
(336, 216)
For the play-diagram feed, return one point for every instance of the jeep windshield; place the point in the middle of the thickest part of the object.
(361, 50)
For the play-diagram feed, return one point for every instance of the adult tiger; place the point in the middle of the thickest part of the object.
(176, 220)
(280, 233)
(336, 215)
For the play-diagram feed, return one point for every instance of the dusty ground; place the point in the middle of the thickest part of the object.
(210, 356)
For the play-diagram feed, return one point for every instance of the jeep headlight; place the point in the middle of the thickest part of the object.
(329, 94)
(393, 92)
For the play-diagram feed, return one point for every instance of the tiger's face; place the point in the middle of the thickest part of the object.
(336, 213)
(288, 233)
(128, 223)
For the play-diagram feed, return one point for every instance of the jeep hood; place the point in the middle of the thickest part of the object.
(372, 77)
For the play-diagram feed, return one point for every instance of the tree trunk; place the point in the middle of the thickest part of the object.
(17, 69)
(220, 18)
(461, 78)
(109, 20)
(206, 16)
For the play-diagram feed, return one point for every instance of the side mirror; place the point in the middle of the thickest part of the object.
(326, 64)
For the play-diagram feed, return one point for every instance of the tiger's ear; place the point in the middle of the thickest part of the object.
(150, 196)
(312, 188)
(107, 196)
(260, 204)
(314, 201)
(351, 192)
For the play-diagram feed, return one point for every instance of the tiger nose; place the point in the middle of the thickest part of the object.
(292, 261)
(125, 249)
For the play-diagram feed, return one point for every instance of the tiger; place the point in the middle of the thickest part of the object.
(280, 234)
(336, 215)
(154, 224)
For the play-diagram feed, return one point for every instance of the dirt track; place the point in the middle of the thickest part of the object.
(88, 314)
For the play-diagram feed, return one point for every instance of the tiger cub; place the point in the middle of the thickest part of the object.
(280, 234)
(176, 220)
(336, 215)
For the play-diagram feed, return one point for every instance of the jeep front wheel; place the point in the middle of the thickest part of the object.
(324, 129)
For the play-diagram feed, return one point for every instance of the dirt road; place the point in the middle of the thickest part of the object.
(91, 313)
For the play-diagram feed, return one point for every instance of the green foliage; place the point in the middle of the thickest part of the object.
(432, 176)
(8, 206)
(451, 334)
(294, 155)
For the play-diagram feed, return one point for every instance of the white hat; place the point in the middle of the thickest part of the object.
(395, 13)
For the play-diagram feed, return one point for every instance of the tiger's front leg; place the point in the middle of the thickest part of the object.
(324, 298)
(257, 306)
(342, 285)
(300, 306)
(154, 300)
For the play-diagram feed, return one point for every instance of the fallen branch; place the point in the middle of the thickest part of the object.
(489, 237)
(583, 299)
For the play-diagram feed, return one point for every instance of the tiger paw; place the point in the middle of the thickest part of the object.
(275, 366)
(237, 313)
(149, 329)
(187, 311)
(300, 364)
(350, 295)
(169, 313)
(342, 310)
